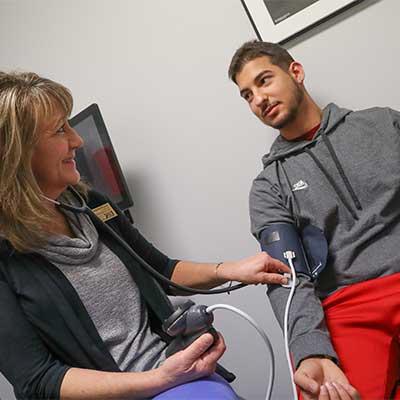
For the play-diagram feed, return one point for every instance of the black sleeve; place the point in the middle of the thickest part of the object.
(158, 260)
(145, 249)
(24, 359)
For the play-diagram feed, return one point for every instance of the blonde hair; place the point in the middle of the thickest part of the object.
(26, 99)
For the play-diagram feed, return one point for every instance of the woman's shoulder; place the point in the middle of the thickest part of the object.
(6, 250)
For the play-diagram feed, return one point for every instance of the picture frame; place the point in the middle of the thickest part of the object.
(279, 21)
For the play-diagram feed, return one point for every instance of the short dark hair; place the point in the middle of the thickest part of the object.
(254, 49)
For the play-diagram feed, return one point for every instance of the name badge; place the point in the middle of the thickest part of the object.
(105, 212)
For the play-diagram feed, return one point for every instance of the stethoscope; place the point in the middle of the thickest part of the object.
(200, 315)
(85, 209)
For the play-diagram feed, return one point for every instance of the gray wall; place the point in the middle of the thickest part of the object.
(187, 143)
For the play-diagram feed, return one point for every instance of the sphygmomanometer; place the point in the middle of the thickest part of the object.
(305, 252)
(309, 245)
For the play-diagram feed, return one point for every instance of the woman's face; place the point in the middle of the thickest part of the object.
(53, 161)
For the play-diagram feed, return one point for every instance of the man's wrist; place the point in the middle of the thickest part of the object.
(321, 356)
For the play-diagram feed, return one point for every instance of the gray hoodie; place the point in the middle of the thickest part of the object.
(346, 181)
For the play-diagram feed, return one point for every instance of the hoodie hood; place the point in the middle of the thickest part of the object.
(332, 115)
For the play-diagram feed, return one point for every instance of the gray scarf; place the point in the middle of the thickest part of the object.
(73, 251)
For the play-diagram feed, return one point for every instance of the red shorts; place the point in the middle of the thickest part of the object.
(364, 324)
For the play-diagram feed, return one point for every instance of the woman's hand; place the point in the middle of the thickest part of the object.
(322, 379)
(260, 268)
(196, 361)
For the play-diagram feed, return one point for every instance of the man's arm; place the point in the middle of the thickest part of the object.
(309, 339)
(307, 334)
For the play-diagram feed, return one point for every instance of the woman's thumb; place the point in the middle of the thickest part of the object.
(199, 346)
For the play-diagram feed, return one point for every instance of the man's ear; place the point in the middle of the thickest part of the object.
(296, 70)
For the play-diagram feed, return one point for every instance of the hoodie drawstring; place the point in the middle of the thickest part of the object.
(341, 171)
(332, 182)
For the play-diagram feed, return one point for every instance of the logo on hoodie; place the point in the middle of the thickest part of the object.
(300, 185)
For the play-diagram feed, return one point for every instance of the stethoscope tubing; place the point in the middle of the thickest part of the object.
(84, 208)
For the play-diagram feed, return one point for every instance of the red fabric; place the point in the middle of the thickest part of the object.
(364, 324)
(310, 134)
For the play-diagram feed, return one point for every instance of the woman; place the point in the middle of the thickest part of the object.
(78, 318)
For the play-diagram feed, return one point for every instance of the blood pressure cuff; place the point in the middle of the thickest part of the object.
(309, 245)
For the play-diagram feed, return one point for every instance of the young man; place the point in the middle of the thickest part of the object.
(338, 170)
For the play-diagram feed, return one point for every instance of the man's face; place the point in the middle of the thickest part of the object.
(274, 95)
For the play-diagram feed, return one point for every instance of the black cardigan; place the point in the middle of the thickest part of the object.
(44, 327)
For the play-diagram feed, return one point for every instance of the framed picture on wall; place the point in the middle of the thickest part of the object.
(280, 20)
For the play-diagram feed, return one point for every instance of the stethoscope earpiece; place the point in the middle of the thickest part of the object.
(75, 209)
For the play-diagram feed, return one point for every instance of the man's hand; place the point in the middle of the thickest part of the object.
(260, 268)
(322, 379)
